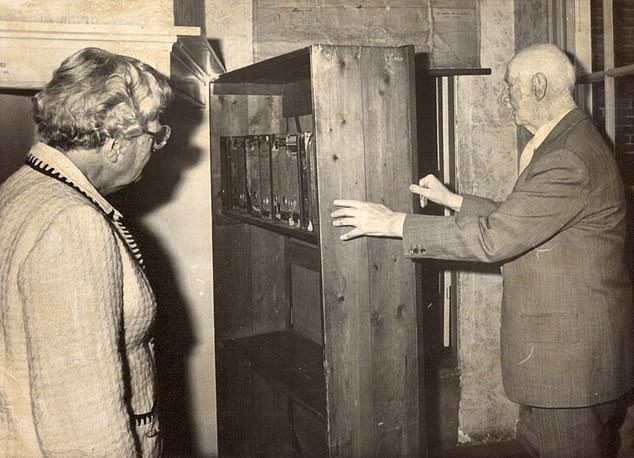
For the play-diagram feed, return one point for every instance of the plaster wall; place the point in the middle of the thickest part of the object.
(487, 166)
(229, 27)
(153, 12)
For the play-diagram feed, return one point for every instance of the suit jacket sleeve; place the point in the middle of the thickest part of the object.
(551, 196)
(477, 206)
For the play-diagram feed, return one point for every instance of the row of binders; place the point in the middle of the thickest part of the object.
(272, 177)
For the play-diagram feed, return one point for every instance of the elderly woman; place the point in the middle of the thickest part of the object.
(76, 310)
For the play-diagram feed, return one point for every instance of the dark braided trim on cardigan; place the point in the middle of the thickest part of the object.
(144, 418)
(39, 166)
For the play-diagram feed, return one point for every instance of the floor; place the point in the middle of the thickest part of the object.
(510, 449)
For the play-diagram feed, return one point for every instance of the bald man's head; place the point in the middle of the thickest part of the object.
(548, 60)
(541, 82)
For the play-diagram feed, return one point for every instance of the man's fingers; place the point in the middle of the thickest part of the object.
(350, 235)
(422, 191)
(343, 212)
(340, 221)
(348, 203)
(416, 189)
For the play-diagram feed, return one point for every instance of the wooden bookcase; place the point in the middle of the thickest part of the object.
(317, 338)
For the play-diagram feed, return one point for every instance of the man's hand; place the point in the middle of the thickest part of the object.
(430, 188)
(368, 219)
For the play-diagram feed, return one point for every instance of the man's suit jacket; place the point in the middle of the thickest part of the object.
(566, 321)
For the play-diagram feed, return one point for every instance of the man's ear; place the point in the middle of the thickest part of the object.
(539, 85)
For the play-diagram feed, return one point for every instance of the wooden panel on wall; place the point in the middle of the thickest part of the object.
(456, 37)
(281, 26)
(446, 29)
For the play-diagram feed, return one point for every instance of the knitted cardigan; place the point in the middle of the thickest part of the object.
(76, 361)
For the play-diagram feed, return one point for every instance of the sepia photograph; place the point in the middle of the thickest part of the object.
(317, 228)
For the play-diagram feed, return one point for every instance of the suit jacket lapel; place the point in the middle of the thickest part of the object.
(568, 122)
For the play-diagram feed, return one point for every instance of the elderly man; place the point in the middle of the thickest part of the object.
(566, 322)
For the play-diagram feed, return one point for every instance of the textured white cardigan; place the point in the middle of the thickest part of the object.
(76, 362)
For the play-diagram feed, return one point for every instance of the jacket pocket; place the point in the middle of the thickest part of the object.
(550, 328)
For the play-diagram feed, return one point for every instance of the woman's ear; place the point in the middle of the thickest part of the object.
(111, 150)
(539, 85)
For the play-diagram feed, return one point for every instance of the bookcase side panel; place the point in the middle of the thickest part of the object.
(338, 110)
(389, 129)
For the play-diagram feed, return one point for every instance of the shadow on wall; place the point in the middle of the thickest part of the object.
(174, 333)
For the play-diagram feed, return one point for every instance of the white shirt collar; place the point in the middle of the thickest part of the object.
(540, 135)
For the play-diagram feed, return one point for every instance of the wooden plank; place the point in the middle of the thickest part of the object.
(283, 68)
(347, 4)
(456, 40)
(291, 362)
(302, 254)
(306, 316)
(246, 89)
(361, 26)
(339, 111)
(390, 136)
(310, 432)
(272, 435)
(297, 99)
(270, 300)
(265, 115)
(231, 256)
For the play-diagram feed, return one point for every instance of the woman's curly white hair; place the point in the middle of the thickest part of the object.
(95, 95)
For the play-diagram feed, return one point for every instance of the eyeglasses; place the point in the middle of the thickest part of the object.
(159, 139)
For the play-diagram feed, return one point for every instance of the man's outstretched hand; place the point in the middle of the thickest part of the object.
(367, 218)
